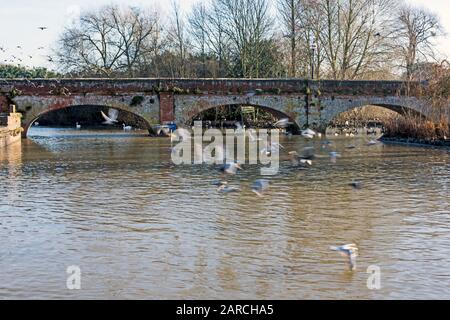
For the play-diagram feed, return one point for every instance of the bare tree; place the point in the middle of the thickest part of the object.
(134, 28)
(107, 41)
(348, 35)
(311, 26)
(177, 37)
(290, 16)
(199, 31)
(353, 39)
(248, 28)
(416, 28)
(353, 35)
(88, 47)
(217, 38)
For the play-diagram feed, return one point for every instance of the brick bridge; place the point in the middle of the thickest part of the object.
(307, 103)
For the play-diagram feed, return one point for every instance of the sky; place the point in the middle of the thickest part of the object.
(20, 19)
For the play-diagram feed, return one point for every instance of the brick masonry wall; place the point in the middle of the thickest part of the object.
(166, 107)
(4, 106)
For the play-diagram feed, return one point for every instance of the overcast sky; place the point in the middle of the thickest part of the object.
(20, 19)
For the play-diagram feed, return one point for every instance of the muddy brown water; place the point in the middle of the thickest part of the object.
(140, 227)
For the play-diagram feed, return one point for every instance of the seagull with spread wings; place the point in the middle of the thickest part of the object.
(308, 133)
(112, 116)
(259, 186)
(282, 123)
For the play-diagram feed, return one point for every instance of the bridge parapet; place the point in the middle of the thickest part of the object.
(366, 87)
(200, 86)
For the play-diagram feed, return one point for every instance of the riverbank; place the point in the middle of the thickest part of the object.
(10, 129)
(417, 142)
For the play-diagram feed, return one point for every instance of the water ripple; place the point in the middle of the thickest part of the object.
(141, 227)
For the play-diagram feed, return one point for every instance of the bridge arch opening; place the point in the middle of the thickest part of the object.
(369, 118)
(87, 116)
(252, 116)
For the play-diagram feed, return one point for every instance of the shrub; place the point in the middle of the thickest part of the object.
(177, 90)
(416, 128)
(137, 100)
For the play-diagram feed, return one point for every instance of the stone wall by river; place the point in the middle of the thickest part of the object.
(10, 130)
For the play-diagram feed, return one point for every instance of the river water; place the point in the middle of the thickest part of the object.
(139, 226)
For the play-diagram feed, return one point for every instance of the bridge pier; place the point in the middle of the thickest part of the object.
(166, 107)
(10, 128)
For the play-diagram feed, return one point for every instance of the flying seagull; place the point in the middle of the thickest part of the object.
(356, 184)
(252, 137)
(112, 116)
(308, 153)
(238, 126)
(42, 28)
(282, 123)
(308, 133)
(181, 134)
(350, 251)
(227, 189)
(219, 183)
(298, 161)
(230, 168)
(334, 155)
(259, 186)
(272, 148)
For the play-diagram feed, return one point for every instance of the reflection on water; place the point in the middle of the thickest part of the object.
(140, 227)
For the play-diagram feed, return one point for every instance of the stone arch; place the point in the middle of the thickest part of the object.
(29, 123)
(273, 111)
(402, 105)
(32, 108)
(188, 107)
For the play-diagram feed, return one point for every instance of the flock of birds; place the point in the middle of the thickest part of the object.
(260, 186)
(19, 58)
(300, 161)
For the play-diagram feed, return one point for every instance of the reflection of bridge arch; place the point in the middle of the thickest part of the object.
(276, 113)
(31, 119)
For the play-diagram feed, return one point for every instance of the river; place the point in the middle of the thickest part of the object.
(140, 227)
